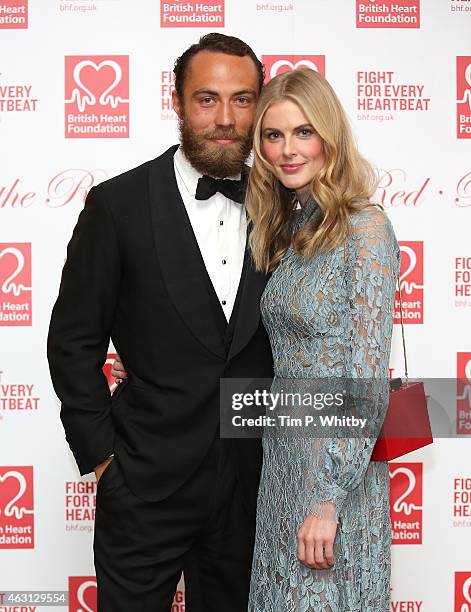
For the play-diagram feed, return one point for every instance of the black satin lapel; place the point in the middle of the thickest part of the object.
(181, 263)
(248, 315)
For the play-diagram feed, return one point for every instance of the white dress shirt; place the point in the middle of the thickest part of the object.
(220, 228)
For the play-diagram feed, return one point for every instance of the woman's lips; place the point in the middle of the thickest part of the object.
(291, 168)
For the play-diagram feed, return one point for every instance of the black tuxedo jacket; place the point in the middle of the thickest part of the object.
(134, 273)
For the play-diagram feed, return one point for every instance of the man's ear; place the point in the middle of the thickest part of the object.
(176, 104)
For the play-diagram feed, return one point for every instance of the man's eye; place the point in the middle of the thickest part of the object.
(243, 100)
(206, 100)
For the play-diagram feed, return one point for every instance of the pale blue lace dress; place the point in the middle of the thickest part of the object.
(328, 316)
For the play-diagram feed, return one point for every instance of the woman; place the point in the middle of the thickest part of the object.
(323, 526)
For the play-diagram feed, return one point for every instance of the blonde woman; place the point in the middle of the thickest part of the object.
(323, 527)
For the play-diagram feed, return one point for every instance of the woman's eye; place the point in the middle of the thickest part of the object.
(306, 132)
(272, 135)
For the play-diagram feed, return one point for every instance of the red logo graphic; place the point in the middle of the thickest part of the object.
(277, 64)
(97, 96)
(388, 13)
(411, 281)
(16, 507)
(107, 371)
(463, 97)
(192, 14)
(406, 502)
(463, 394)
(82, 594)
(15, 284)
(83, 591)
(462, 591)
(13, 14)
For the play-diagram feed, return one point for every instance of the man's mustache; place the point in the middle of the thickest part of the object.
(221, 134)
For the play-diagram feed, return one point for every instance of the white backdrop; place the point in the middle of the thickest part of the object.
(84, 95)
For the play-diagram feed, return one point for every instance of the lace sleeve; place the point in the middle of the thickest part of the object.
(372, 268)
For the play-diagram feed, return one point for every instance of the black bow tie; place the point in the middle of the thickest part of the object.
(208, 186)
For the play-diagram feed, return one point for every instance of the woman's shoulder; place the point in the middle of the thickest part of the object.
(372, 232)
(370, 218)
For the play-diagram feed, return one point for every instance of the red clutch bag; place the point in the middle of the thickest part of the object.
(406, 426)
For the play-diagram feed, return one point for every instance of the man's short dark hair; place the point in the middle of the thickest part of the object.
(218, 43)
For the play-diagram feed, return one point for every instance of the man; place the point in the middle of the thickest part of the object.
(158, 263)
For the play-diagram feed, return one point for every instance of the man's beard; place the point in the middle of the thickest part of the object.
(215, 160)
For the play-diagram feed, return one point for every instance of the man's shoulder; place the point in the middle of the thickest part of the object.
(135, 177)
(129, 178)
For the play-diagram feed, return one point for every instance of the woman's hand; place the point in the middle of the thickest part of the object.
(118, 371)
(316, 540)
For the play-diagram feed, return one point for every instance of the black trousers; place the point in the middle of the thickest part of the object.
(141, 547)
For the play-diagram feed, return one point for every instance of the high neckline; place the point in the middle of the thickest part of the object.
(303, 196)
(304, 212)
(308, 206)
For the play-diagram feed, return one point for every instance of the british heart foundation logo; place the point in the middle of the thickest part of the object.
(107, 371)
(192, 14)
(463, 97)
(406, 502)
(13, 14)
(388, 13)
(462, 591)
(16, 507)
(97, 96)
(15, 284)
(463, 394)
(82, 594)
(411, 280)
(277, 64)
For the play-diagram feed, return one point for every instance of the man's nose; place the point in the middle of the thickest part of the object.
(225, 115)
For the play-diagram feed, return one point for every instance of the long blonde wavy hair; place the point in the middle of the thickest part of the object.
(343, 185)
